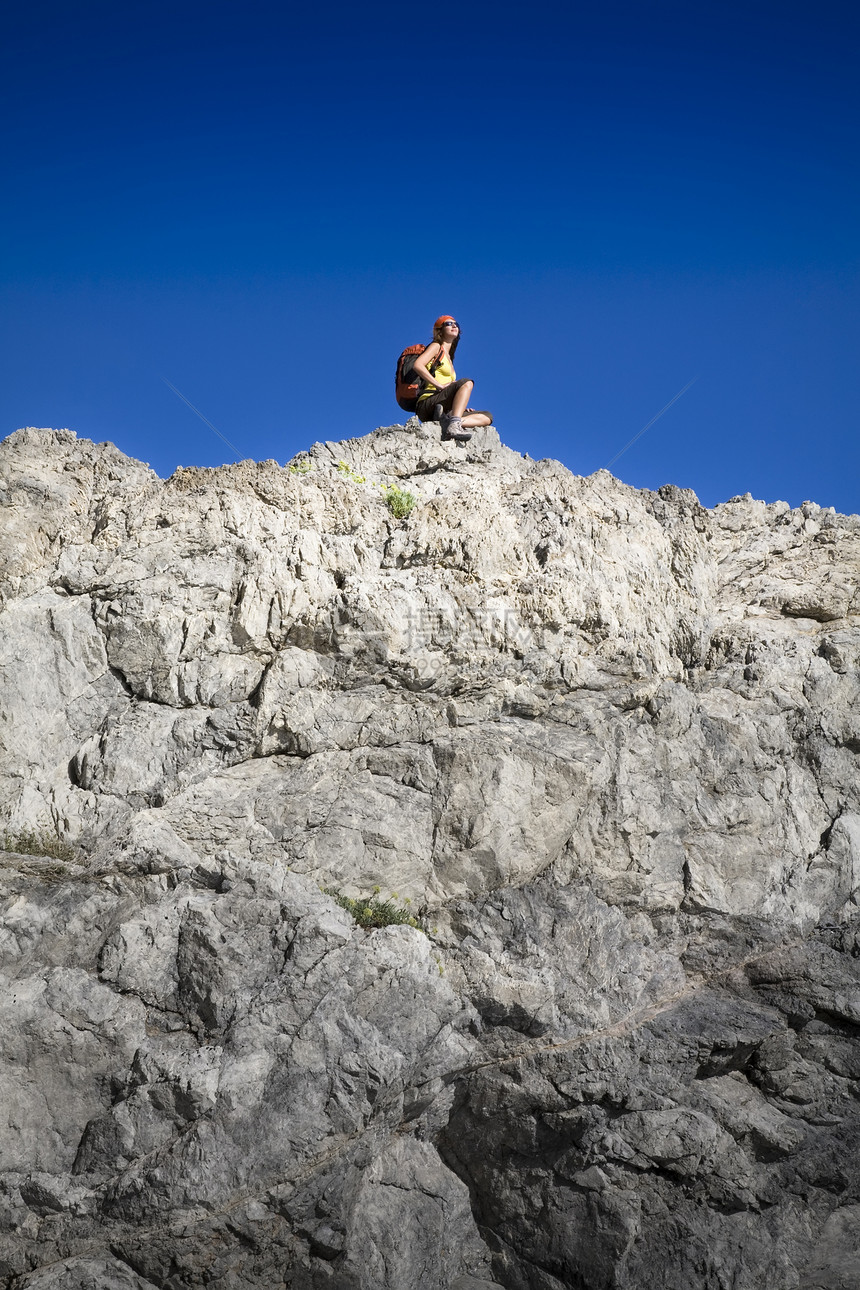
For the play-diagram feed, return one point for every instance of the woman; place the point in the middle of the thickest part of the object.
(443, 398)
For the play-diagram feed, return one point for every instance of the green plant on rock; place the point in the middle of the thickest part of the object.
(371, 911)
(398, 500)
(38, 842)
(301, 467)
(352, 475)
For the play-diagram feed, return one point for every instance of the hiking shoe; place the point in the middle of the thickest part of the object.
(452, 428)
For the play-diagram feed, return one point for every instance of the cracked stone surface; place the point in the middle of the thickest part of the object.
(604, 740)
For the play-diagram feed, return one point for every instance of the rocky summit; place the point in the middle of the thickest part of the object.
(442, 898)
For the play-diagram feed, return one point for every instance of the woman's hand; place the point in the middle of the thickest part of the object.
(432, 351)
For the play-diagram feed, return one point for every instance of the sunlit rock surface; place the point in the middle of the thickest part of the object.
(604, 741)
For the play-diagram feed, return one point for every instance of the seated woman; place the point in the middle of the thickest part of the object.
(443, 398)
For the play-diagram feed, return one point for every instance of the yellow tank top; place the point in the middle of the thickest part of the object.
(444, 374)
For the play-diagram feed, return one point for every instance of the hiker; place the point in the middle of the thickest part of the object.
(442, 397)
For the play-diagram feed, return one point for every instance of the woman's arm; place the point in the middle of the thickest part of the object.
(420, 365)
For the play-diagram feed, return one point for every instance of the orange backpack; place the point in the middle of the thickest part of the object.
(406, 384)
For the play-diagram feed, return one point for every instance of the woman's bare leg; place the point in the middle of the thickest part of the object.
(469, 418)
(460, 401)
(472, 420)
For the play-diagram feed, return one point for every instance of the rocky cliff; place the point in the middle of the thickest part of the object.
(602, 745)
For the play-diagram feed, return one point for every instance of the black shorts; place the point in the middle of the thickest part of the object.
(426, 409)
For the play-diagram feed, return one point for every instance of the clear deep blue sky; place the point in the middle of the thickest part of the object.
(237, 197)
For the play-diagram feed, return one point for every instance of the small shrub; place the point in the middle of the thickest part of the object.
(400, 502)
(302, 467)
(39, 842)
(370, 911)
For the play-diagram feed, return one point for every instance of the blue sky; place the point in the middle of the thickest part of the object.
(264, 205)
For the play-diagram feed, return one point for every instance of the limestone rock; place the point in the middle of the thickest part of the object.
(603, 740)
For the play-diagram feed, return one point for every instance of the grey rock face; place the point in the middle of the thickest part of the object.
(603, 740)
